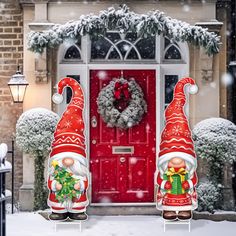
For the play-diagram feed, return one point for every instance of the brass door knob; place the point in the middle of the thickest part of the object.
(94, 122)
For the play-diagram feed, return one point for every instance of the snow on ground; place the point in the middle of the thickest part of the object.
(32, 224)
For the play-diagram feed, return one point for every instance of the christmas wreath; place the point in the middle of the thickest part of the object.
(121, 103)
(66, 179)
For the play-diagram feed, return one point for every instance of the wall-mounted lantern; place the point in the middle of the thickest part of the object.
(18, 85)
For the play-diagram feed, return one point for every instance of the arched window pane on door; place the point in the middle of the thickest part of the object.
(72, 53)
(116, 46)
(114, 54)
(133, 55)
(173, 53)
(100, 48)
(146, 47)
(172, 50)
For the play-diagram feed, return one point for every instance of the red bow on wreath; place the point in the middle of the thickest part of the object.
(121, 89)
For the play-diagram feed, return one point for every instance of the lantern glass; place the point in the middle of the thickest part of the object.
(17, 85)
(18, 92)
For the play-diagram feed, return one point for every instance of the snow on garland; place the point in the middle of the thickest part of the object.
(132, 114)
(124, 20)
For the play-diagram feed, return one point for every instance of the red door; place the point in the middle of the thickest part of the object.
(124, 177)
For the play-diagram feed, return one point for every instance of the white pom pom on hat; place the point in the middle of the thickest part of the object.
(193, 89)
(57, 98)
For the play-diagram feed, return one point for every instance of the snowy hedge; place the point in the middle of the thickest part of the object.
(215, 137)
(208, 195)
(34, 134)
(124, 20)
(34, 130)
(215, 141)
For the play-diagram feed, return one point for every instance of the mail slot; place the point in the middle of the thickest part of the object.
(122, 150)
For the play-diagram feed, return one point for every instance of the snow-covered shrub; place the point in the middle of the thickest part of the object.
(34, 134)
(215, 137)
(208, 195)
(215, 141)
(34, 131)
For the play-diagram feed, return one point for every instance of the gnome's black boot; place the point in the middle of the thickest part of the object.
(169, 215)
(184, 215)
(58, 216)
(78, 216)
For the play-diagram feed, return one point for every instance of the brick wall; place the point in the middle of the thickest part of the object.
(11, 55)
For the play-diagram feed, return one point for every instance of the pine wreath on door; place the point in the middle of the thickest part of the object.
(122, 162)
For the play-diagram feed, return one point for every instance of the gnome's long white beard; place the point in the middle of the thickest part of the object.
(77, 169)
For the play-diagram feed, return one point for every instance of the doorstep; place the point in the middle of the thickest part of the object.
(123, 210)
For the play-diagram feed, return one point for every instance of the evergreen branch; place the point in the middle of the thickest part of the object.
(124, 20)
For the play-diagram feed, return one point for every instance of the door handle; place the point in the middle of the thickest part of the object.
(122, 159)
(94, 122)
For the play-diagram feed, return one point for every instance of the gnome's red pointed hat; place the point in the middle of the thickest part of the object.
(69, 140)
(176, 138)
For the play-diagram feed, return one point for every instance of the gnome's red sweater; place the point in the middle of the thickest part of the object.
(177, 202)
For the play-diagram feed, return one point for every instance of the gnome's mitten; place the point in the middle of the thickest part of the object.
(168, 185)
(185, 185)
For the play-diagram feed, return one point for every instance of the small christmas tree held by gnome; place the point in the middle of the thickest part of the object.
(66, 179)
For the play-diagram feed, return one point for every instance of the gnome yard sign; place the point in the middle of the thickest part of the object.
(176, 167)
(68, 171)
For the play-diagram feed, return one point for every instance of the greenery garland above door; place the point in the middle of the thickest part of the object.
(124, 20)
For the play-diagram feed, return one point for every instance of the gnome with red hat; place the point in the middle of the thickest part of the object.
(68, 171)
(177, 163)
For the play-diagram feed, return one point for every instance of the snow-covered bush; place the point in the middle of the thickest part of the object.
(34, 131)
(215, 137)
(215, 141)
(34, 134)
(208, 195)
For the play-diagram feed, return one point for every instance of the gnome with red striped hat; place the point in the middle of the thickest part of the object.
(177, 163)
(68, 171)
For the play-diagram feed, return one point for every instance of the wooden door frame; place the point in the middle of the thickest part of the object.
(84, 71)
